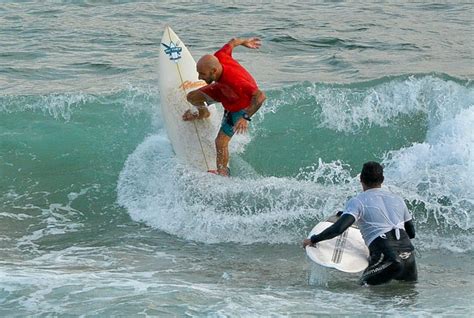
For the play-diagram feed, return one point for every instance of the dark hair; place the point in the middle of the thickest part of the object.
(372, 174)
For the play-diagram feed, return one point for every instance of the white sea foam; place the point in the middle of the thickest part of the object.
(58, 106)
(207, 208)
(440, 171)
(15, 216)
(57, 219)
(351, 109)
(166, 195)
(134, 100)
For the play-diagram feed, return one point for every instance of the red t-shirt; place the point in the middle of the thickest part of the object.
(235, 87)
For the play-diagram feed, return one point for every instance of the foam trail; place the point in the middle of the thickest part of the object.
(250, 208)
(207, 208)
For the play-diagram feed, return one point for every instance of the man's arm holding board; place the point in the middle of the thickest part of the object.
(199, 100)
(342, 224)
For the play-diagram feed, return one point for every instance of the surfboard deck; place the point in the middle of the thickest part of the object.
(192, 142)
(346, 252)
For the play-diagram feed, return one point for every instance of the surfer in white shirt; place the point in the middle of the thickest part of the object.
(386, 226)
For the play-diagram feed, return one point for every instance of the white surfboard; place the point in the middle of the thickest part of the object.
(346, 252)
(193, 142)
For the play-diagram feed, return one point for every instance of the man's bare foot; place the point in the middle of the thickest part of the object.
(223, 173)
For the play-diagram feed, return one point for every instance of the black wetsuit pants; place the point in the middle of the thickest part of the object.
(390, 259)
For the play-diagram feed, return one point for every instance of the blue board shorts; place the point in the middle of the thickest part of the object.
(229, 120)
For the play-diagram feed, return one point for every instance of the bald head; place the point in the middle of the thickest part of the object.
(209, 68)
(208, 61)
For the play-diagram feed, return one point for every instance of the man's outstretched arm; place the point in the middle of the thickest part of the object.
(251, 43)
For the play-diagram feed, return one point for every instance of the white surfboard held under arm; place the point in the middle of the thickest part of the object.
(346, 252)
(192, 141)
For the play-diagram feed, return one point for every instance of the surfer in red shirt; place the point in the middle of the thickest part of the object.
(229, 83)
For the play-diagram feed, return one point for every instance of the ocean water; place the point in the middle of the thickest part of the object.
(97, 217)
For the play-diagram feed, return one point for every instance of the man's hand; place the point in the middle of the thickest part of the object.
(307, 242)
(192, 114)
(189, 115)
(252, 43)
(241, 126)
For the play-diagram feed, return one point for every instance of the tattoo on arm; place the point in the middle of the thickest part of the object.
(257, 102)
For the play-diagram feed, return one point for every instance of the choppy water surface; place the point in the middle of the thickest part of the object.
(98, 218)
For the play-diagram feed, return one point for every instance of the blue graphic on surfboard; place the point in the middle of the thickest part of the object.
(192, 142)
(346, 252)
(173, 50)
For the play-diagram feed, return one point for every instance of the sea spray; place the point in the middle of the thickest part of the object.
(165, 194)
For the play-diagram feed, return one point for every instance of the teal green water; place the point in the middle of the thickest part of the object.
(322, 135)
(97, 218)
